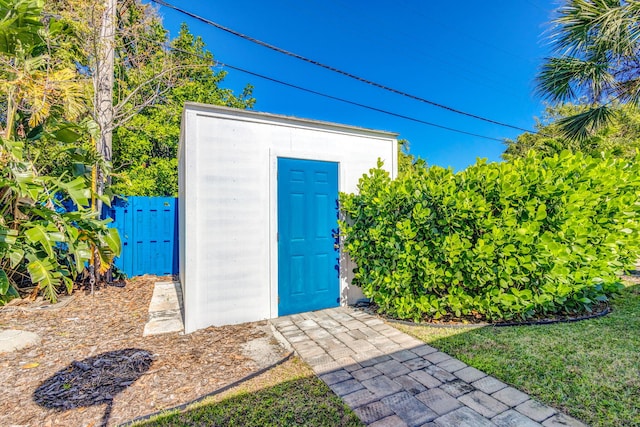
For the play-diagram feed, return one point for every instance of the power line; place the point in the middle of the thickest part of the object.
(346, 101)
(432, 19)
(368, 107)
(334, 69)
(464, 69)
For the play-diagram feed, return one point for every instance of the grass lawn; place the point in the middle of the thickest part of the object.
(287, 395)
(588, 369)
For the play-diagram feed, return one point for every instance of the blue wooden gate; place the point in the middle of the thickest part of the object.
(148, 228)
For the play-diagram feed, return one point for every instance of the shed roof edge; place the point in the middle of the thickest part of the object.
(228, 111)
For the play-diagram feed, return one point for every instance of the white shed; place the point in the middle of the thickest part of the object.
(258, 211)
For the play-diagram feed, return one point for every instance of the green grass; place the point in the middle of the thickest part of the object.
(588, 369)
(288, 395)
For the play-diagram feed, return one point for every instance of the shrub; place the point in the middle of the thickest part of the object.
(531, 237)
(41, 243)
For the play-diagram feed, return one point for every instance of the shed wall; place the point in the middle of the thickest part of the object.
(228, 204)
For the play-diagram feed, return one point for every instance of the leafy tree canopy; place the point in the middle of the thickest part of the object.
(154, 77)
(620, 137)
(407, 162)
(145, 148)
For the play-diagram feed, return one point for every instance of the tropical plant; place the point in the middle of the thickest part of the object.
(42, 242)
(513, 240)
(620, 137)
(34, 82)
(597, 59)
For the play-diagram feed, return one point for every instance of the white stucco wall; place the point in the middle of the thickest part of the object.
(228, 203)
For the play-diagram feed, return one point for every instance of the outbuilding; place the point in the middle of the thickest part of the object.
(258, 210)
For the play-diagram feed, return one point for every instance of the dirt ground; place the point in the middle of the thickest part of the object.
(84, 327)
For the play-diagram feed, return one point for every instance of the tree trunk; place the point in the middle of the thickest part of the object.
(103, 104)
(103, 82)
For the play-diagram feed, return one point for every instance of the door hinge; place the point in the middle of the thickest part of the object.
(277, 236)
(278, 299)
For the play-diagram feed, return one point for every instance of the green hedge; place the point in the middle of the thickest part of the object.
(527, 238)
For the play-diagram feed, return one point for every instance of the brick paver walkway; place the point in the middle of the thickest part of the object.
(392, 379)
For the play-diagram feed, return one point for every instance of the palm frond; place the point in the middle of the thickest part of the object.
(604, 25)
(562, 79)
(581, 126)
(629, 91)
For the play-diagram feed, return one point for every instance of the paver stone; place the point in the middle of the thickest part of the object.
(392, 421)
(439, 401)
(366, 373)
(437, 357)
(562, 420)
(346, 387)
(513, 418)
(423, 350)
(483, 403)
(373, 412)
(463, 417)
(382, 386)
(452, 365)
(488, 384)
(510, 396)
(403, 355)
(410, 384)
(470, 374)
(336, 377)
(535, 410)
(359, 398)
(440, 373)
(392, 368)
(411, 410)
(425, 379)
(416, 364)
(457, 388)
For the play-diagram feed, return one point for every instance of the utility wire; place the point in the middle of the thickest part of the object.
(334, 69)
(466, 71)
(346, 101)
(432, 20)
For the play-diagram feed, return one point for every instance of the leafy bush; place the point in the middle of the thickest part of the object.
(531, 237)
(41, 243)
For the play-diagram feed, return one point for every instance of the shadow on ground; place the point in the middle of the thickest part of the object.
(93, 381)
(302, 401)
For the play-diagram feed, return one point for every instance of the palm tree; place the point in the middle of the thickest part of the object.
(597, 58)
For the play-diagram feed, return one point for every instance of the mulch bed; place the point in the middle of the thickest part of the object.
(467, 322)
(598, 310)
(94, 367)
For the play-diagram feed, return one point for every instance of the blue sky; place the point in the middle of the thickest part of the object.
(479, 57)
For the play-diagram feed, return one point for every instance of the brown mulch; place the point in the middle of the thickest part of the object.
(90, 338)
(601, 309)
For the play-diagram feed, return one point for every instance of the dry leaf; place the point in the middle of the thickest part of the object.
(30, 365)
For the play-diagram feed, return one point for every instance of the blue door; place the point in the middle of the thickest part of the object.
(308, 258)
